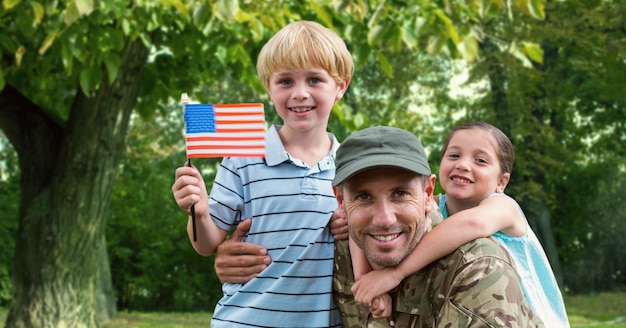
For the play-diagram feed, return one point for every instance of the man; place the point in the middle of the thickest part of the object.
(384, 187)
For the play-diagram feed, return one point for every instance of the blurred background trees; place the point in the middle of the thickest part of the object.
(82, 126)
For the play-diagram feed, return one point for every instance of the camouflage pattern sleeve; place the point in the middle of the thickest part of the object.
(343, 279)
(484, 290)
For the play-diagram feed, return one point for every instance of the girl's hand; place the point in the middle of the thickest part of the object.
(381, 306)
(375, 283)
(338, 225)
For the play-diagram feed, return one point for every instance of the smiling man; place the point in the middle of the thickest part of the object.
(384, 187)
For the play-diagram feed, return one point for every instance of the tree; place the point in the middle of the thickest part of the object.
(72, 73)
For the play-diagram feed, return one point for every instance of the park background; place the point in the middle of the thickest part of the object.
(92, 131)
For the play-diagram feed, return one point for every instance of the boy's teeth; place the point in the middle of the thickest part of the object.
(301, 110)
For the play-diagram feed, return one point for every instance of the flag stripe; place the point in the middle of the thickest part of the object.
(230, 135)
(225, 146)
(220, 153)
(219, 130)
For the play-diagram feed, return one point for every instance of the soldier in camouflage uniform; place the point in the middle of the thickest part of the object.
(385, 188)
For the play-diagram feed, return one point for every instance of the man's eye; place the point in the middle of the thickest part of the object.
(401, 193)
(362, 197)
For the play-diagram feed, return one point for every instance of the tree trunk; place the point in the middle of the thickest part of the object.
(105, 295)
(58, 267)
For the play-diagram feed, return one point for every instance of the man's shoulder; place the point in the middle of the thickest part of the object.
(473, 260)
(484, 247)
(343, 260)
(481, 276)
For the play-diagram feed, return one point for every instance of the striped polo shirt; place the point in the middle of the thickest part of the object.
(290, 205)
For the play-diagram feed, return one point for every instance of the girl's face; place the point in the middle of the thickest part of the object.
(304, 99)
(470, 169)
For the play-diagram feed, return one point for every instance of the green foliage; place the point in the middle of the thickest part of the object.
(595, 253)
(197, 42)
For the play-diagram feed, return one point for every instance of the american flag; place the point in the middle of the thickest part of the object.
(223, 130)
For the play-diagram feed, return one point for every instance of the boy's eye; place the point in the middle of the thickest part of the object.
(285, 82)
(314, 80)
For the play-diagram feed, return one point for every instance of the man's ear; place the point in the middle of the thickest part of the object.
(502, 182)
(338, 195)
(429, 189)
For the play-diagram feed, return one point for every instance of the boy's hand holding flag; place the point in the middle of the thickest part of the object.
(223, 130)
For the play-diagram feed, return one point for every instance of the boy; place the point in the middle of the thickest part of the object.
(306, 68)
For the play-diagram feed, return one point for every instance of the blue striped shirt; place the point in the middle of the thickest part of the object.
(290, 205)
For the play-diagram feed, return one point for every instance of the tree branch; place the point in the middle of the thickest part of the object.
(35, 134)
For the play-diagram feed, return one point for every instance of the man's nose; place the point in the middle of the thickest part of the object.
(384, 215)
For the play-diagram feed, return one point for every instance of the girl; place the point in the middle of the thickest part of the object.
(476, 164)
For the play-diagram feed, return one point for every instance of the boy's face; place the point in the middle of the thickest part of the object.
(304, 99)
(470, 169)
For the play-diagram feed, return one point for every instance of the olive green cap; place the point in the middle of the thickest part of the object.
(379, 146)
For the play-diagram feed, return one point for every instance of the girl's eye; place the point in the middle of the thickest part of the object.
(481, 161)
(453, 155)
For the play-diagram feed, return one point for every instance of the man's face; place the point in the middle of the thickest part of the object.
(386, 212)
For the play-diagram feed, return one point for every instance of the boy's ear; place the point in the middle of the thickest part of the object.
(503, 181)
(341, 89)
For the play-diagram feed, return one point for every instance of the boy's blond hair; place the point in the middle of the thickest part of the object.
(305, 44)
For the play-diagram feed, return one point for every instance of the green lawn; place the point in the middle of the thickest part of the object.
(160, 320)
(595, 311)
(588, 311)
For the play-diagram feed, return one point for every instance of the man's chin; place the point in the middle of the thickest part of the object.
(382, 260)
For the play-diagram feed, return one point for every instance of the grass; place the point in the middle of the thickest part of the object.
(595, 311)
(584, 311)
(160, 320)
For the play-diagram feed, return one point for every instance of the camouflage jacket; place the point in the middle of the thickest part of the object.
(476, 286)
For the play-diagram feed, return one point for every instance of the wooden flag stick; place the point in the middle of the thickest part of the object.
(185, 100)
